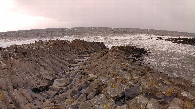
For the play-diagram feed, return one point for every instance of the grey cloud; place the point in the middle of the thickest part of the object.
(157, 14)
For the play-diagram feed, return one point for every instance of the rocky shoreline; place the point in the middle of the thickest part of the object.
(87, 31)
(59, 74)
(190, 41)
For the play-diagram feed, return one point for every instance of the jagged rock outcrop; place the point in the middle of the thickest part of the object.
(30, 73)
(190, 41)
(86, 75)
(128, 80)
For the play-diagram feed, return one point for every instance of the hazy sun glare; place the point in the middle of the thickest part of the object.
(172, 15)
(11, 19)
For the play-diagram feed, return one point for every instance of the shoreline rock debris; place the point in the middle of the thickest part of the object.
(86, 75)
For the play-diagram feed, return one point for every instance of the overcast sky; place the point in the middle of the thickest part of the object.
(176, 15)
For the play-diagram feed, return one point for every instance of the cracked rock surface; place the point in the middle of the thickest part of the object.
(86, 75)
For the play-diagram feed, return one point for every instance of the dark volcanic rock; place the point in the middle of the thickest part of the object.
(132, 52)
(86, 75)
(39, 68)
(190, 41)
(128, 94)
(132, 92)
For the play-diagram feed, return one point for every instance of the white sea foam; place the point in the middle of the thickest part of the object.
(171, 58)
(8, 42)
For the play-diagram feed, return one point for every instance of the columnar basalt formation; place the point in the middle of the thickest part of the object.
(86, 75)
